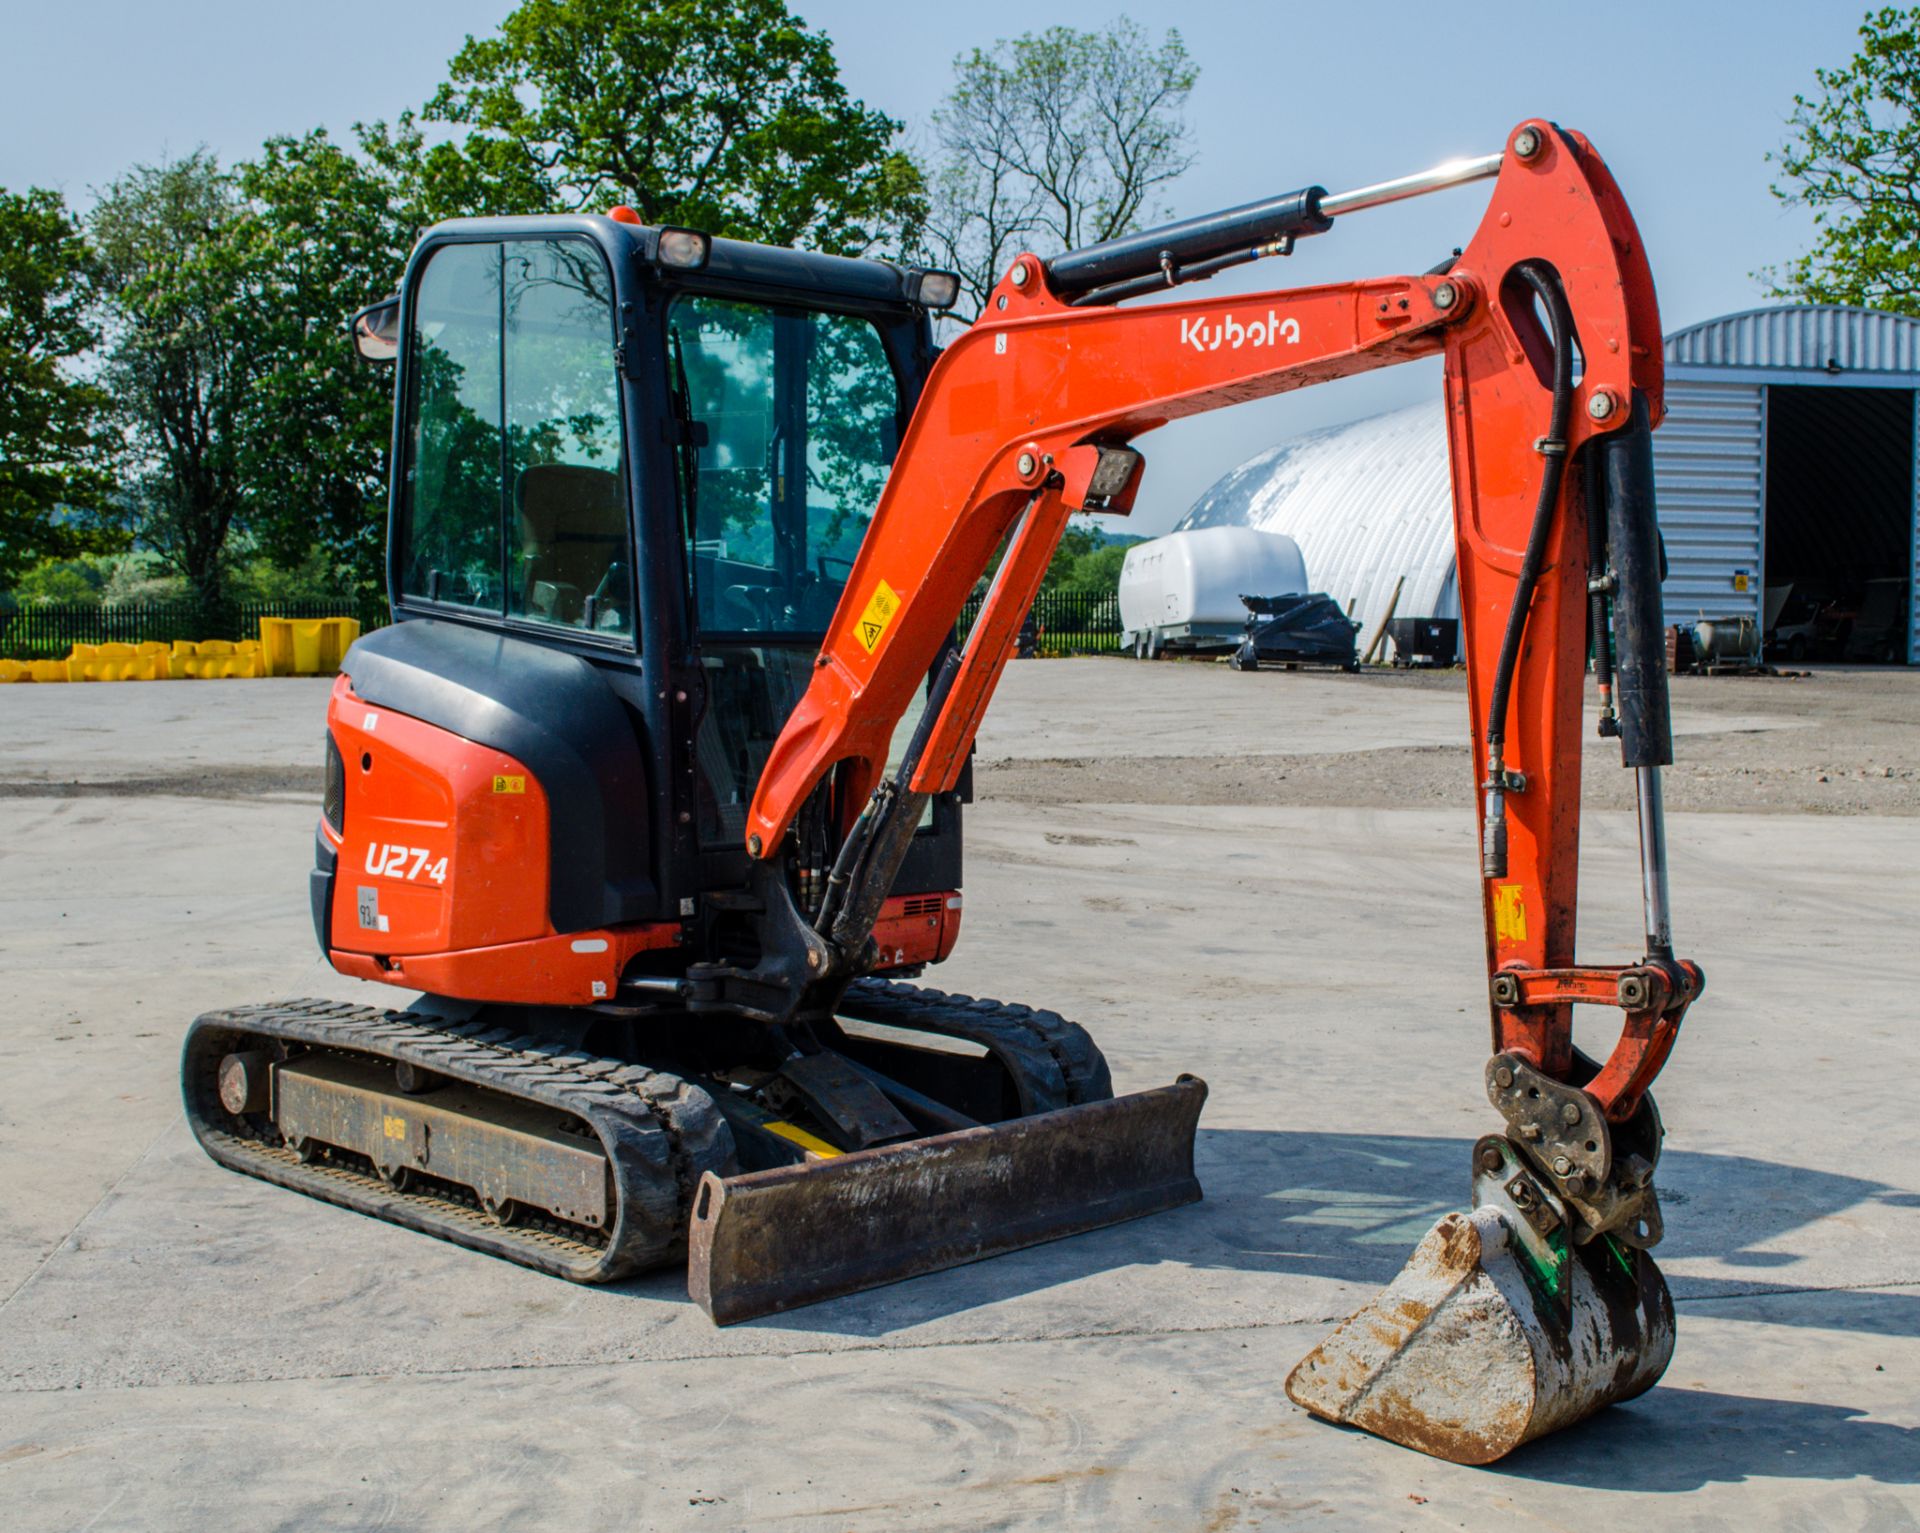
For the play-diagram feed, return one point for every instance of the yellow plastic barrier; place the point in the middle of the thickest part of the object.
(117, 662)
(299, 646)
(150, 661)
(214, 659)
(42, 671)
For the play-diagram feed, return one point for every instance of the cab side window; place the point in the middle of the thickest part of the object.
(451, 531)
(517, 486)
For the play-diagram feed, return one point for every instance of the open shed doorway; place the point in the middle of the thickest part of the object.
(1839, 530)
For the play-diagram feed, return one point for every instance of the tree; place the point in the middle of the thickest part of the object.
(180, 360)
(52, 442)
(1098, 573)
(1854, 159)
(321, 232)
(726, 117)
(1053, 141)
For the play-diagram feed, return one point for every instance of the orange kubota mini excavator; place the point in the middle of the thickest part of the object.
(654, 784)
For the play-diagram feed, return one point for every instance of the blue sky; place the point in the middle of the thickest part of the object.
(1684, 100)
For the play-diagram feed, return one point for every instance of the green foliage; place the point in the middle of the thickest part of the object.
(139, 577)
(1097, 573)
(1055, 140)
(180, 363)
(313, 577)
(1854, 159)
(729, 118)
(244, 410)
(322, 232)
(1086, 562)
(77, 582)
(52, 444)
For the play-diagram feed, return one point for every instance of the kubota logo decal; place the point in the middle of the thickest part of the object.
(1232, 334)
(409, 862)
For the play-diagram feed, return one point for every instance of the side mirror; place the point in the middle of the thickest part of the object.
(376, 330)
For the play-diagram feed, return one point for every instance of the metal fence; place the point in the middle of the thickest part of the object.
(1067, 622)
(50, 632)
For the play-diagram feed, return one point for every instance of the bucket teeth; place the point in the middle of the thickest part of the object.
(1466, 1356)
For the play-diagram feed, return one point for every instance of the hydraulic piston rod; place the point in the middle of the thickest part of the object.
(1452, 173)
(1195, 247)
(1653, 861)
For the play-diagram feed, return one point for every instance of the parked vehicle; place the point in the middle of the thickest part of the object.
(1296, 630)
(1802, 623)
(1879, 629)
(1182, 592)
(1423, 641)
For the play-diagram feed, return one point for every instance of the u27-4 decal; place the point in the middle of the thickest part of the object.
(408, 862)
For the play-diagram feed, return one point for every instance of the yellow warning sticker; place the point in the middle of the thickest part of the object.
(392, 1127)
(881, 607)
(1509, 914)
(509, 785)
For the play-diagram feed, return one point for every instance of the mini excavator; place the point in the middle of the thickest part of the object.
(652, 789)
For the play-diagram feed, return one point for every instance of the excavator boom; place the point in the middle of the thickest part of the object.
(1029, 416)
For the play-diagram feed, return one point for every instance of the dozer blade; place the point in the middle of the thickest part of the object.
(1466, 1354)
(771, 1240)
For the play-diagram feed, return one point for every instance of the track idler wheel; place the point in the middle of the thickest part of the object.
(1497, 1331)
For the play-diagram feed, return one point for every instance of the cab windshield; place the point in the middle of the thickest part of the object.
(788, 420)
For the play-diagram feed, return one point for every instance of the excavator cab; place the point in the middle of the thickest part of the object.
(657, 453)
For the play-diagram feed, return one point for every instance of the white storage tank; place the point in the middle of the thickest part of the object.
(1183, 591)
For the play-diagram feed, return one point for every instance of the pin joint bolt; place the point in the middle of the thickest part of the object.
(754, 844)
(1602, 405)
(1526, 143)
(1019, 274)
(1445, 296)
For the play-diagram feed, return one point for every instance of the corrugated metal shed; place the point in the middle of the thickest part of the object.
(1368, 503)
(1709, 483)
(1742, 356)
(1801, 337)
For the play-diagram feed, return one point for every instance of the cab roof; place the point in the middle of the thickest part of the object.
(733, 261)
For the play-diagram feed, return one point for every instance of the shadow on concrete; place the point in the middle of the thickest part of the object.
(1728, 1438)
(1350, 1207)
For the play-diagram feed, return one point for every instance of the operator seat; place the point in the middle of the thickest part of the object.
(573, 531)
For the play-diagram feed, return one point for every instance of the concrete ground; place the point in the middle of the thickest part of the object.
(183, 1348)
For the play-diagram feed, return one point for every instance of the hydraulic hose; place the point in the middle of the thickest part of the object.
(850, 867)
(1600, 585)
(1545, 285)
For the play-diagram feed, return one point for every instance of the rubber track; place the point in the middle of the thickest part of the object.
(659, 1133)
(1054, 1062)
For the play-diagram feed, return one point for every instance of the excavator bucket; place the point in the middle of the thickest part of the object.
(771, 1240)
(1496, 1332)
